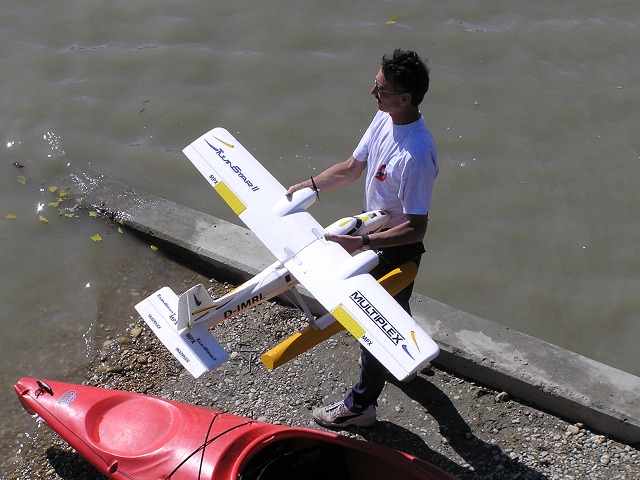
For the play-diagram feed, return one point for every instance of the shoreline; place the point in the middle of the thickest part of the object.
(551, 378)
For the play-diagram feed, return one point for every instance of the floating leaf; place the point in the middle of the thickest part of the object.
(93, 213)
(11, 216)
(42, 219)
(70, 215)
(53, 204)
(96, 238)
(22, 180)
(53, 189)
(154, 248)
(393, 19)
(64, 193)
(120, 230)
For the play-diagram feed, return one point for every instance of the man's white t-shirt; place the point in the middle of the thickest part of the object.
(401, 167)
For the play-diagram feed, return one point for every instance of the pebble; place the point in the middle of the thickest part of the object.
(135, 332)
(502, 397)
(573, 429)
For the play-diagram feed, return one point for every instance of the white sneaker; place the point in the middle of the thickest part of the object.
(338, 416)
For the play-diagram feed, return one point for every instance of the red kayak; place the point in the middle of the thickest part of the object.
(133, 436)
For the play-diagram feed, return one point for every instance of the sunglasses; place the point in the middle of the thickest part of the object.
(380, 89)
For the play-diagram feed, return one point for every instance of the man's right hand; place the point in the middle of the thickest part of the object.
(295, 188)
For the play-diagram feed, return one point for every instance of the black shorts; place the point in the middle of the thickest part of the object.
(393, 257)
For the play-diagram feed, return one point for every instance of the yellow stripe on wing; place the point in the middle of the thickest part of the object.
(350, 323)
(413, 337)
(231, 198)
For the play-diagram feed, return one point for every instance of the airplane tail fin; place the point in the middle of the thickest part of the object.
(194, 305)
(196, 348)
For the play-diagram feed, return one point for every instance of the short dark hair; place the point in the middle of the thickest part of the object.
(407, 72)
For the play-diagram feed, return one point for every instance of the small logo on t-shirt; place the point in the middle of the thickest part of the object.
(381, 174)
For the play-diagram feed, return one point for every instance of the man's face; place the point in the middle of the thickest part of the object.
(389, 100)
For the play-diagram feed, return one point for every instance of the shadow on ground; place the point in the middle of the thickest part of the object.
(481, 458)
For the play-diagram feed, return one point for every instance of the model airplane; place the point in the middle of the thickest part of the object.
(339, 281)
(182, 322)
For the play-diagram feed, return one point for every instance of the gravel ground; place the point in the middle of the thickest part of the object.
(459, 425)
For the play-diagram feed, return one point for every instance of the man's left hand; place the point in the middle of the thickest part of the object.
(348, 242)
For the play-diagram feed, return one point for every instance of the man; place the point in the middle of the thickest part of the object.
(399, 156)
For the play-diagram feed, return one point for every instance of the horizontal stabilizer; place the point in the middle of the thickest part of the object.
(196, 349)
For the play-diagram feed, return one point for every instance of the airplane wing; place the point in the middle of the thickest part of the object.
(254, 194)
(339, 281)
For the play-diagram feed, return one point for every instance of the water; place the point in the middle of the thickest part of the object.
(533, 107)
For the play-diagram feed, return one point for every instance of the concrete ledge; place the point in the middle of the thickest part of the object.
(551, 378)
